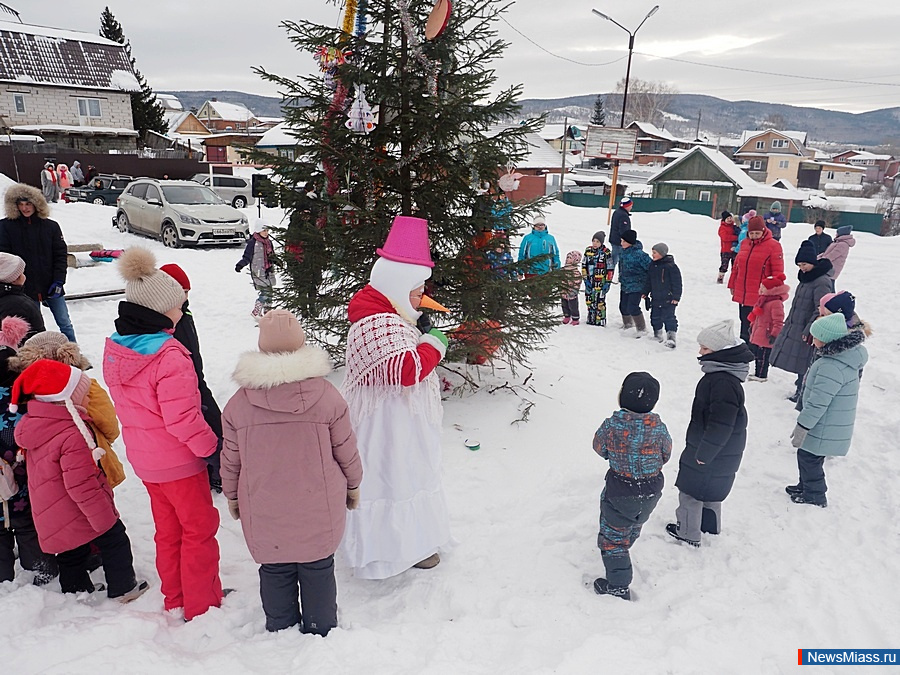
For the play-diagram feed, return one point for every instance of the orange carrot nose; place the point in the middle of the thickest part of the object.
(429, 303)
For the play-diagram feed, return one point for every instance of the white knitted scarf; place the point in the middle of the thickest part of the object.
(376, 347)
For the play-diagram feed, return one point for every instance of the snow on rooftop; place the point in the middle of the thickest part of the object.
(124, 80)
(747, 187)
(53, 33)
(277, 137)
(41, 55)
(799, 136)
(653, 130)
(232, 112)
(85, 130)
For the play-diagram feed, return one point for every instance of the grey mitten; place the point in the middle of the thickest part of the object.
(798, 435)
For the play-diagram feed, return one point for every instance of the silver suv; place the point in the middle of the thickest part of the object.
(179, 213)
(233, 189)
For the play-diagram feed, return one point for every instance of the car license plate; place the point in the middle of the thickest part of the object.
(223, 230)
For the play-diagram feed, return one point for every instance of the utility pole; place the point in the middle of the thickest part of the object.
(565, 138)
(631, 34)
(699, 117)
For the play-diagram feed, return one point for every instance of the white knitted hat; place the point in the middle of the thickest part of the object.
(718, 336)
(147, 286)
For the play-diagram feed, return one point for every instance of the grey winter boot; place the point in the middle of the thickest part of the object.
(640, 324)
(658, 335)
(627, 322)
(670, 339)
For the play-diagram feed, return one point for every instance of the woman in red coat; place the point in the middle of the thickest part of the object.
(760, 256)
(728, 236)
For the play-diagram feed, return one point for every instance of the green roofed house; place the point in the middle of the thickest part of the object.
(704, 174)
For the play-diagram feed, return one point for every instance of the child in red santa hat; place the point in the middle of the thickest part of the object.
(71, 502)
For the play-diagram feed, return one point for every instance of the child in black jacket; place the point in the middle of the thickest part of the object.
(664, 292)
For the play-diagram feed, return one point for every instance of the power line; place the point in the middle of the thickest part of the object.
(557, 56)
(767, 72)
(706, 65)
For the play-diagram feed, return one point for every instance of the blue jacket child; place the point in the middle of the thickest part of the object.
(637, 444)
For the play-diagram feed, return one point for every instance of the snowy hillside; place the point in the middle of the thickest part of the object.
(509, 597)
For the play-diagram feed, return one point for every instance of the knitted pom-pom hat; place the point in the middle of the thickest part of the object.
(12, 331)
(49, 345)
(55, 382)
(147, 286)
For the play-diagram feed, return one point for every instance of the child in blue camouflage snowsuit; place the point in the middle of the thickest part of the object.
(637, 444)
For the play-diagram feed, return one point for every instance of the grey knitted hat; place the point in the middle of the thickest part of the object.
(719, 336)
(147, 286)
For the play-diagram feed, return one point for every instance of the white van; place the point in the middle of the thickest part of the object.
(232, 189)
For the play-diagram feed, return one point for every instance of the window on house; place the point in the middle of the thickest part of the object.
(705, 196)
(829, 175)
(19, 103)
(757, 164)
(783, 163)
(779, 143)
(89, 107)
(286, 152)
(760, 145)
(680, 194)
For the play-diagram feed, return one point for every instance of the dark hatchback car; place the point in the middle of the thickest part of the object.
(103, 189)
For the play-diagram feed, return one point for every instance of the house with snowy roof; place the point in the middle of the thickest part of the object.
(71, 88)
(231, 117)
(705, 174)
(772, 154)
(877, 166)
(655, 145)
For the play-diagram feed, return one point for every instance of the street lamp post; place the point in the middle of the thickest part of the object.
(631, 34)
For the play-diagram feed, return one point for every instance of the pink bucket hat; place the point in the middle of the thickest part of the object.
(407, 242)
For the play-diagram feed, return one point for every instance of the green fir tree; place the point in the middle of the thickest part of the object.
(146, 111)
(598, 116)
(440, 136)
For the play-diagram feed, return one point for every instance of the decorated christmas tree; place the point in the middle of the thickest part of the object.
(401, 120)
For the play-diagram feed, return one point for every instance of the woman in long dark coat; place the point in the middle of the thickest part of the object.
(793, 349)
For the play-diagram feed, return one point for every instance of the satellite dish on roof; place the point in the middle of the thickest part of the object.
(438, 19)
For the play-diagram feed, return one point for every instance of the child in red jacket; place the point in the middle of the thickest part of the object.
(71, 502)
(766, 321)
(728, 237)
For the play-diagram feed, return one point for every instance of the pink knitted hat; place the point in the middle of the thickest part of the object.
(407, 242)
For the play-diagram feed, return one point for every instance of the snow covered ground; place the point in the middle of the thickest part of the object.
(509, 597)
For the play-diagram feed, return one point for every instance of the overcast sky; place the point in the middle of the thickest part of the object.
(206, 44)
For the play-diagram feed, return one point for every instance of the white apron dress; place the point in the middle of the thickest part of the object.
(402, 516)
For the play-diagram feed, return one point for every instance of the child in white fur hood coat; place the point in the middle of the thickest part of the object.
(290, 468)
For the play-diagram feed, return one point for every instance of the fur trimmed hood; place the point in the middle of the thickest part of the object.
(14, 192)
(256, 370)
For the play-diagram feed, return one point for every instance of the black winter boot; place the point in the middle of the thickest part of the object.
(602, 587)
(672, 531)
(804, 498)
(794, 489)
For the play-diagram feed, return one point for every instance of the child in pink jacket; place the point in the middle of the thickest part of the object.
(289, 468)
(154, 386)
(766, 320)
(71, 502)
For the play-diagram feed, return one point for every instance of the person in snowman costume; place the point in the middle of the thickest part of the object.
(393, 394)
